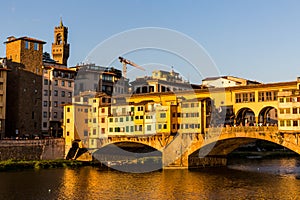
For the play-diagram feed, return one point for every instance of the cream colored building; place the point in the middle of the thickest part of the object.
(289, 111)
(57, 88)
(75, 125)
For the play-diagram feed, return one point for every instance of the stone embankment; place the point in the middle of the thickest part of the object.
(46, 149)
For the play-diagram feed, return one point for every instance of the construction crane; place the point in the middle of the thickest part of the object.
(125, 62)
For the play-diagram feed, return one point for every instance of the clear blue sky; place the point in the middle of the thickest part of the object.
(254, 39)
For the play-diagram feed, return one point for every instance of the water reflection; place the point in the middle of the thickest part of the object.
(242, 180)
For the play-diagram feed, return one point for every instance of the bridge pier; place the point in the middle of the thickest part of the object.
(207, 161)
(194, 162)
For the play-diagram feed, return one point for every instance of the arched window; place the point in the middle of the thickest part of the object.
(58, 39)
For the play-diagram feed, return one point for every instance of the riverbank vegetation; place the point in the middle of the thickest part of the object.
(39, 164)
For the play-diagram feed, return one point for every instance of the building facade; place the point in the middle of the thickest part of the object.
(3, 82)
(226, 81)
(91, 77)
(289, 109)
(58, 85)
(160, 81)
(24, 83)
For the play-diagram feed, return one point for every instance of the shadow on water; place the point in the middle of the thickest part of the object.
(283, 166)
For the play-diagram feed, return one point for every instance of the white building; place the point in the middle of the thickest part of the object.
(226, 81)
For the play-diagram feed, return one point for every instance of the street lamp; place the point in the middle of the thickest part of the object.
(51, 129)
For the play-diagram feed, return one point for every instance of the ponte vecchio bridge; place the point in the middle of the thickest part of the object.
(209, 149)
(255, 112)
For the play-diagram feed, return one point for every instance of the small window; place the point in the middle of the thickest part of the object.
(295, 122)
(36, 46)
(148, 127)
(63, 94)
(27, 45)
(85, 133)
(159, 126)
(62, 83)
(281, 100)
(295, 110)
(162, 115)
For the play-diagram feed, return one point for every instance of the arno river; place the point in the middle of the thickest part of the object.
(242, 179)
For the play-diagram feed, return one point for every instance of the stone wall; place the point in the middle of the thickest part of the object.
(47, 149)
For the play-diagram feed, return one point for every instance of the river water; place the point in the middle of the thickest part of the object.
(242, 179)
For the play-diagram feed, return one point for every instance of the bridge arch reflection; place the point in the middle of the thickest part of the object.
(129, 157)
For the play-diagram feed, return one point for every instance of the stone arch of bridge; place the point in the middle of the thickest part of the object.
(119, 151)
(268, 115)
(128, 144)
(229, 142)
(245, 116)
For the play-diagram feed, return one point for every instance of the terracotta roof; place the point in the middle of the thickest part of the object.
(59, 68)
(12, 39)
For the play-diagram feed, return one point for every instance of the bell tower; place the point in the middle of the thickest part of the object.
(60, 47)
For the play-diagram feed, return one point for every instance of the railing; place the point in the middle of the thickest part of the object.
(215, 132)
(250, 129)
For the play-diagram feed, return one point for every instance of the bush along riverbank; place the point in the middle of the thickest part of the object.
(40, 164)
